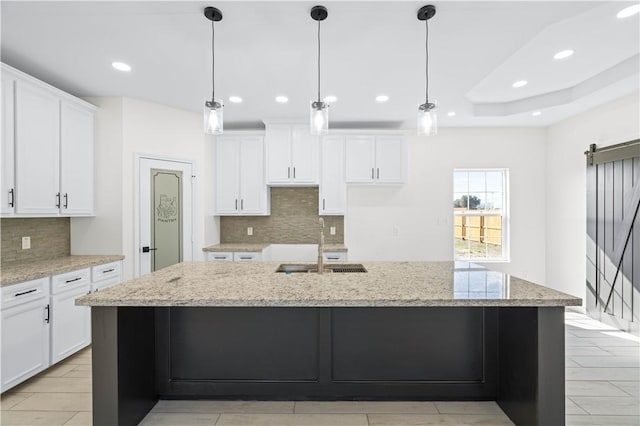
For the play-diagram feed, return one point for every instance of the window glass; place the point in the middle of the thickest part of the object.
(479, 201)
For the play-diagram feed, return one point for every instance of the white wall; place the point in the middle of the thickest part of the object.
(155, 130)
(421, 210)
(566, 142)
(102, 234)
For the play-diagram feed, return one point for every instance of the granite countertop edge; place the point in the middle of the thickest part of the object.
(246, 247)
(333, 303)
(17, 272)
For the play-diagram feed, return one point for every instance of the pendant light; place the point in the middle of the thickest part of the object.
(319, 109)
(213, 109)
(427, 117)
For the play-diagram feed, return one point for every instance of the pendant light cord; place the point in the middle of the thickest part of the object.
(213, 63)
(318, 61)
(426, 67)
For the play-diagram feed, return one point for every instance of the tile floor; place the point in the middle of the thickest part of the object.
(602, 388)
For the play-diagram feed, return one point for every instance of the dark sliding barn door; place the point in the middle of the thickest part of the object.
(613, 234)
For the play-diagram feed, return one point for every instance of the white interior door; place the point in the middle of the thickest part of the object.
(165, 213)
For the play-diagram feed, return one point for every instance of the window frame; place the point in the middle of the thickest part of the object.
(506, 246)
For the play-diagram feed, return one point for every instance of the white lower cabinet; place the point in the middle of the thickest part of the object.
(25, 331)
(41, 324)
(69, 331)
(335, 256)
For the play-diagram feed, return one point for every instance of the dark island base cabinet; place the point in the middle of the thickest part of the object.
(512, 355)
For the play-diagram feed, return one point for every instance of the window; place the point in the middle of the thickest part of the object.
(480, 214)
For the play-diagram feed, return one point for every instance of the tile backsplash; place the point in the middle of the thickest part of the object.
(50, 237)
(293, 220)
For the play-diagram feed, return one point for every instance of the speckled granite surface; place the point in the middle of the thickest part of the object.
(244, 247)
(236, 247)
(385, 284)
(16, 272)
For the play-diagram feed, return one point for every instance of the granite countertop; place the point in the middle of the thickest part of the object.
(244, 247)
(16, 272)
(385, 284)
(236, 247)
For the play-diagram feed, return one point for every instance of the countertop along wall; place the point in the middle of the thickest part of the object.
(421, 210)
(566, 183)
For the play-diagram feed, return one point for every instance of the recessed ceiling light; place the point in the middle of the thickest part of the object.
(330, 99)
(628, 11)
(282, 99)
(520, 83)
(563, 54)
(536, 113)
(451, 113)
(382, 98)
(121, 66)
(235, 99)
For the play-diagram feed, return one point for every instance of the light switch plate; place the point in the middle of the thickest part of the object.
(249, 230)
(332, 230)
(26, 243)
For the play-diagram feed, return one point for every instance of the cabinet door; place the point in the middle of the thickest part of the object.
(25, 342)
(390, 159)
(69, 331)
(278, 149)
(333, 190)
(304, 155)
(227, 175)
(253, 190)
(37, 150)
(7, 192)
(359, 159)
(76, 160)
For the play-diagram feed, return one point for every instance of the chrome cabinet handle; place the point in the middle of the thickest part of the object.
(241, 204)
(294, 172)
(236, 204)
(66, 200)
(378, 177)
(58, 200)
(323, 204)
(288, 172)
(47, 310)
(11, 197)
(372, 173)
(73, 280)
(108, 270)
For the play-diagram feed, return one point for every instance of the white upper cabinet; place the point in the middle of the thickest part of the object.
(47, 149)
(292, 155)
(7, 194)
(333, 190)
(240, 186)
(37, 146)
(76, 160)
(375, 159)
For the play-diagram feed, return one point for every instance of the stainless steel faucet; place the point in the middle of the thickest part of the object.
(321, 248)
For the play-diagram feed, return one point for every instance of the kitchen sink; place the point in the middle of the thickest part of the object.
(340, 268)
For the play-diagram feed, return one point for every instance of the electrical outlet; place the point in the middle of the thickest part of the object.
(394, 231)
(26, 243)
(249, 230)
(332, 230)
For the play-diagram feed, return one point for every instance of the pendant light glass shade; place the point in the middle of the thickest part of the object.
(427, 119)
(213, 120)
(427, 115)
(319, 118)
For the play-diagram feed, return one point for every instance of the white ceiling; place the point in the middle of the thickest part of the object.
(263, 49)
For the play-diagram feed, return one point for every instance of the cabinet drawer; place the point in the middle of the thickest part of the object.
(221, 256)
(248, 256)
(105, 283)
(27, 291)
(70, 280)
(106, 271)
(338, 256)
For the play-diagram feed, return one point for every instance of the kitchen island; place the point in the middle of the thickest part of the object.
(400, 331)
